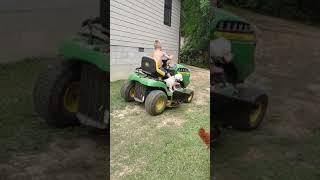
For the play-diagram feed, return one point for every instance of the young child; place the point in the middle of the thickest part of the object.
(173, 81)
(158, 55)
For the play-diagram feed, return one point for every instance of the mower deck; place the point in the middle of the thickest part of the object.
(238, 106)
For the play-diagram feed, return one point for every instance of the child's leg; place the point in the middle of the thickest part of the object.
(174, 86)
(171, 87)
(165, 71)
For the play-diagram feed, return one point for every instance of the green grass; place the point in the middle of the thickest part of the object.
(22, 133)
(142, 150)
(17, 118)
(116, 101)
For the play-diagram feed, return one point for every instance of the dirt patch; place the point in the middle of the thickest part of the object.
(130, 110)
(202, 97)
(125, 170)
(170, 122)
(296, 118)
(314, 88)
(200, 83)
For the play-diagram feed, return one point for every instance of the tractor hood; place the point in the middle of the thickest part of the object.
(184, 71)
(238, 36)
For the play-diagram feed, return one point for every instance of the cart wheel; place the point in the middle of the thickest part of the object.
(127, 91)
(156, 102)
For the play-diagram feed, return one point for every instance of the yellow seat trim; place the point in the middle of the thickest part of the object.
(162, 73)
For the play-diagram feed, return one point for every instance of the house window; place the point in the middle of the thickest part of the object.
(141, 49)
(167, 12)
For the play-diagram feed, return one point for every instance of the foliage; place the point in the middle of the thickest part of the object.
(195, 18)
(198, 58)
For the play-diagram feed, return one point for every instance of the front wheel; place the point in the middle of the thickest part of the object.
(252, 118)
(189, 98)
(156, 102)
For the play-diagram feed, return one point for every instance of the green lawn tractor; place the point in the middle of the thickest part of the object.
(145, 85)
(74, 87)
(232, 53)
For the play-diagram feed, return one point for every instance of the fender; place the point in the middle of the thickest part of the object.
(76, 48)
(149, 82)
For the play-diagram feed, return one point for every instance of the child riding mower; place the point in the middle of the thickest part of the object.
(74, 88)
(147, 85)
(232, 51)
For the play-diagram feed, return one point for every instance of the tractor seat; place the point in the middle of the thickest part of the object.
(149, 66)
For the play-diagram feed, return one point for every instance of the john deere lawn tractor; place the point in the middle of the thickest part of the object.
(146, 85)
(73, 89)
(232, 52)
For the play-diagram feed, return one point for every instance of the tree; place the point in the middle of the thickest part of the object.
(195, 18)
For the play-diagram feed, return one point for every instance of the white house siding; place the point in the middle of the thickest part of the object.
(37, 27)
(136, 24)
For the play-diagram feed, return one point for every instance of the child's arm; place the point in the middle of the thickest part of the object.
(167, 56)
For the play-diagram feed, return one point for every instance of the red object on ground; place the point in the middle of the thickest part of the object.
(204, 136)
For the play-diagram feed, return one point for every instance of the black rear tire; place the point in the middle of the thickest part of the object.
(126, 91)
(49, 91)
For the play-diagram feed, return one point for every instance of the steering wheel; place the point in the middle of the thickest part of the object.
(95, 24)
(165, 62)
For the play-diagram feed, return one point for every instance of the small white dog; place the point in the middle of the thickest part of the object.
(173, 81)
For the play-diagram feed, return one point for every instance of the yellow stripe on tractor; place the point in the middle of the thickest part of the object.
(162, 73)
(236, 36)
(184, 73)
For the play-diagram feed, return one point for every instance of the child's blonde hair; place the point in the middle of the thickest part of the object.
(157, 44)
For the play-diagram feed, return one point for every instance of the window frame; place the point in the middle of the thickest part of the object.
(167, 12)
